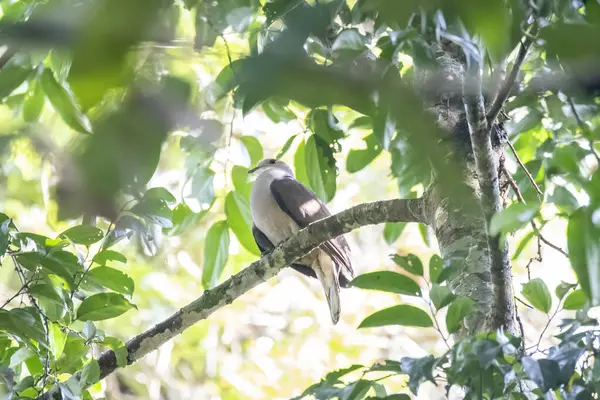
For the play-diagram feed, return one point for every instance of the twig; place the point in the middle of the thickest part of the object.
(437, 325)
(531, 179)
(541, 237)
(522, 302)
(584, 128)
(505, 89)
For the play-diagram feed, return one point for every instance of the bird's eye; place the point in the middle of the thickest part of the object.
(271, 161)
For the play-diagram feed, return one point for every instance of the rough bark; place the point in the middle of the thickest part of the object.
(397, 210)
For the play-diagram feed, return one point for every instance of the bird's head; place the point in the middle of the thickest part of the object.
(271, 164)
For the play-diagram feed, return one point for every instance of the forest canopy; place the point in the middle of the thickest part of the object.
(456, 143)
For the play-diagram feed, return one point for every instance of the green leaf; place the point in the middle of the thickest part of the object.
(90, 374)
(113, 279)
(403, 314)
(584, 252)
(458, 310)
(202, 186)
(119, 348)
(523, 243)
(184, 218)
(512, 218)
(254, 148)
(575, 300)
(240, 180)
(11, 77)
(155, 211)
(300, 163)
(359, 159)
(286, 146)
(349, 39)
(545, 373)
(418, 370)
(436, 266)
(160, 193)
(387, 281)
(34, 104)
(44, 290)
(239, 219)
(392, 231)
(564, 200)
(277, 112)
(563, 288)
(441, 296)
(102, 306)
(320, 170)
(4, 226)
(57, 339)
(108, 255)
(83, 234)
(410, 263)
(89, 330)
(216, 252)
(64, 103)
(537, 293)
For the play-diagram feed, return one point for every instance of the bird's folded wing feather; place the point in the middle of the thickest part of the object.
(303, 206)
(265, 245)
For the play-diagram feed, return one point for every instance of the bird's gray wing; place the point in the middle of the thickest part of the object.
(303, 206)
(265, 245)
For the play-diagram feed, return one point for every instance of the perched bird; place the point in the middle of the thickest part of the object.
(281, 206)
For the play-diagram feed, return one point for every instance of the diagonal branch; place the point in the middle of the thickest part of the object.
(397, 210)
(509, 82)
(502, 308)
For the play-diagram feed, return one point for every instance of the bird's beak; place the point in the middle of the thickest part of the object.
(250, 171)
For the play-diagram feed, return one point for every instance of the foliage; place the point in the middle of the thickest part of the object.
(116, 103)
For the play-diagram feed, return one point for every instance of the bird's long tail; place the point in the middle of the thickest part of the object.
(326, 271)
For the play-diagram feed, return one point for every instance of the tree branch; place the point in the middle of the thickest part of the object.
(509, 82)
(487, 174)
(309, 238)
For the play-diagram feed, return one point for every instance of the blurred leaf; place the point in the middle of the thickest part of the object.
(11, 77)
(202, 186)
(575, 300)
(392, 231)
(387, 281)
(436, 266)
(4, 226)
(184, 218)
(103, 306)
(113, 279)
(160, 193)
(44, 290)
(349, 39)
(278, 112)
(64, 103)
(89, 330)
(90, 374)
(206, 35)
(564, 200)
(224, 82)
(108, 255)
(119, 348)
(523, 244)
(239, 219)
(563, 288)
(57, 339)
(83, 234)
(441, 296)
(538, 295)
(584, 252)
(512, 218)
(240, 180)
(155, 211)
(216, 252)
(286, 146)
(34, 103)
(459, 309)
(254, 148)
(99, 59)
(320, 170)
(411, 263)
(124, 228)
(418, 370)
(300, 163)
(544, 373)
(403, 314)
(359, 159)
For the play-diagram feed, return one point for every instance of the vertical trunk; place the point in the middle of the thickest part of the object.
(460, 227)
